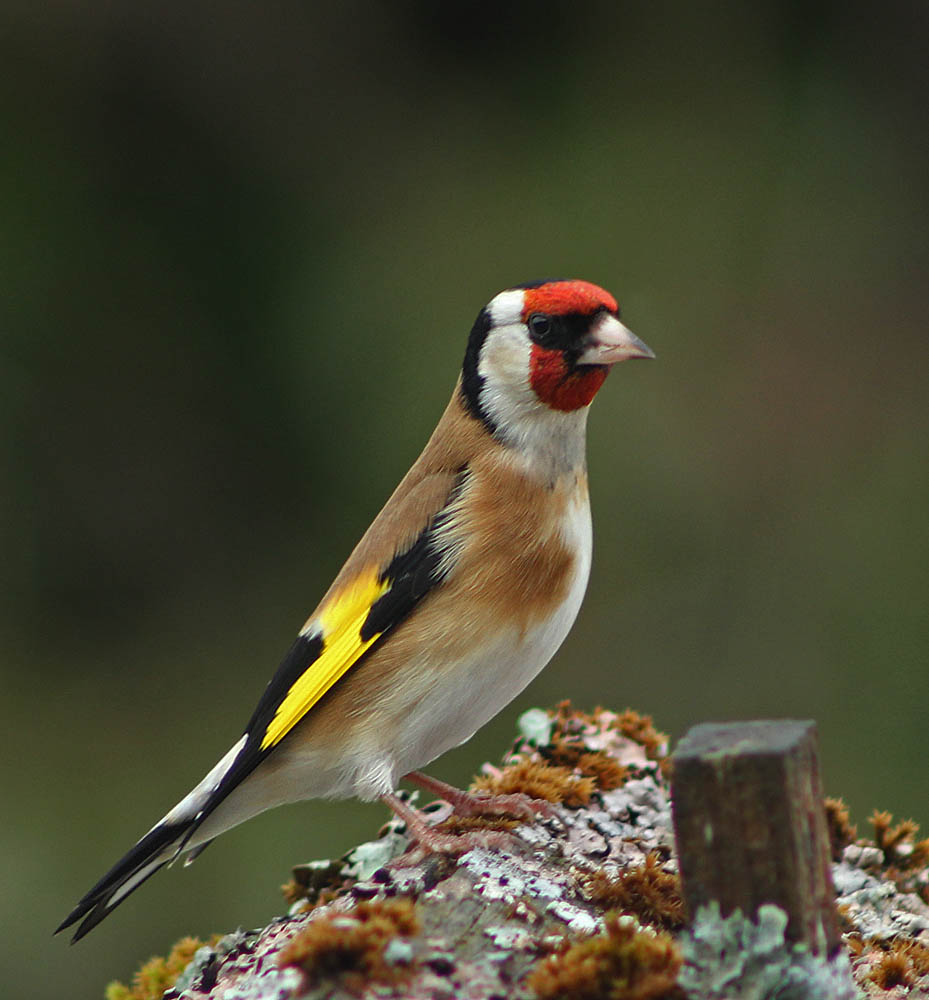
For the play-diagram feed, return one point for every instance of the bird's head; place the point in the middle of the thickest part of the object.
(540, 349)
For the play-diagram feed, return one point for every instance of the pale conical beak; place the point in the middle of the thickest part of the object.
(609, 342)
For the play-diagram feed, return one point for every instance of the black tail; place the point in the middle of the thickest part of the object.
(158, 847)
(167, 839)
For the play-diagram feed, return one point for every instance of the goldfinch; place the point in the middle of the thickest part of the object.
(454, 599)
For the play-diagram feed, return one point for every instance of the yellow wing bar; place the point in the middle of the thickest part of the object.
(340, 622)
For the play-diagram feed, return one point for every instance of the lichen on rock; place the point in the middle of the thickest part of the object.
(577, 896)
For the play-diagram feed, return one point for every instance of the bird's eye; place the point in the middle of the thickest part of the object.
(540, 325)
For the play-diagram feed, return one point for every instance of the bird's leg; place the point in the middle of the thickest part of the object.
(483, 803)
(429, 840)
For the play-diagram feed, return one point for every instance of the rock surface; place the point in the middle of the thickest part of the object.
(482, 925)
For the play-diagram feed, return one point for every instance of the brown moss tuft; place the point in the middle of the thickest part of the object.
(315, 884)
(158, 974)
(294, 893)
(890, 838)
(846, 924)
(891, 970)
(351, 945)
(918, 954)
(640, 729)
(841, 831)
(570, 720)
(905, 858)
(648, 891)
(853, 942)
(623, 963)
(539, 781)
(586, 744)
(456, 825)
(573, 724)
(900, 962)
(606, 772)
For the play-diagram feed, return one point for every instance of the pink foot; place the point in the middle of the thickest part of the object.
(428, 840)
(483, 803)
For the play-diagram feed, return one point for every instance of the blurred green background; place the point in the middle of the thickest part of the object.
(242, 247)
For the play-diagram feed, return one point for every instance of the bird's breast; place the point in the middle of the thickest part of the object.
(519, 555)
(518, 545)
(497, 620)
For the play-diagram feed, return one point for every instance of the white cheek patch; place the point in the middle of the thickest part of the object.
(507, 308)
(552, 439)
(504, 366)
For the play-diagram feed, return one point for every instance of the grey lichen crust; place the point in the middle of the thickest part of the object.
(875, 905)
(736, 957)
(488, 918)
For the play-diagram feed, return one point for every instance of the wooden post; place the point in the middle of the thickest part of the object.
(750, 824)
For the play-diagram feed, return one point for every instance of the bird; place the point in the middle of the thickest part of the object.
(457, 595)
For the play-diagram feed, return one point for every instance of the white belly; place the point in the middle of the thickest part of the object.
(500, 668)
